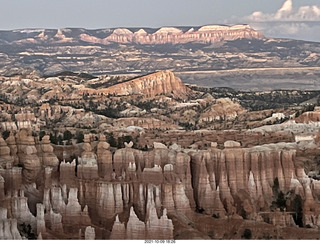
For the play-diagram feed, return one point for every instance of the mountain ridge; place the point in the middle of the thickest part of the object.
(141, 51)
(167, 34)
(150, 85)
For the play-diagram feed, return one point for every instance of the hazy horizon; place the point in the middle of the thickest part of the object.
(275, 18)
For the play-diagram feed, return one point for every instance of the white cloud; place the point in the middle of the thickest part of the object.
(287, 13)
(287, 22)
(293, 30)
(285, 10)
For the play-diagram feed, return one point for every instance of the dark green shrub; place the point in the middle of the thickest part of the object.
(247, 234)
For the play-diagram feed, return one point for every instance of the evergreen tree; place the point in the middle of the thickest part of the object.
(67, 135)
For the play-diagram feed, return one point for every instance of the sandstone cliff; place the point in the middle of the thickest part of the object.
(172, 35)
(140, 194)
(223, 109)
(162, 82)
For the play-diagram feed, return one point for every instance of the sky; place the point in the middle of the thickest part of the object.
(299, 19)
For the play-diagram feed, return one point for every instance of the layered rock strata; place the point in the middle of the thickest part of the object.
(131, 192)
(162, 82)
(172, 35)
(45, 152)
(6, 160)
(8, 227)
(88, 165)
(104, 158)
(27, 154)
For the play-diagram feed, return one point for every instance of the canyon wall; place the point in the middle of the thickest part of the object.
(172, 35)
(133, 194)
(162, 82)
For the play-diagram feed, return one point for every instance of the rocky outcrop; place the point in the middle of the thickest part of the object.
(46, 155)
(41, 225)
(133, 193)
(89, 233)
(88, 165)
(109, 199)
(146, 123)
(20, 211)
(104, 158)
(158, 166)
(8, 227)
(6, 160)
(172, 35)
(308, 117)
(54, 221)
(223, 110)
(2, 189)
(279, 218)
(152, 228)
(11, 178)
(27, 154)
(64, 213)
(119, 229)
(220, 176)
(162, 82)
(163, 35)
(68, 173)
(11, 142)
(135, 228)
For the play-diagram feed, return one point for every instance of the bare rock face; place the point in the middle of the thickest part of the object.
(73, 207)
(146, 123)
(137, 190)
(278, 218)
(8, 227)
(48, 177)
(104, 158)
(181, 200)
(89, 233)
(41, 226)
(236, 174)
(109, 200)
(11, 178)
(11, 142)
(122, 159)
(47, 157)
(54, 221)
(317, 138)
(154, 227)
(27, 154)
(175, 147)
(6, 160)
(163, 35)
(135, 228)
(87, 156)
(158, 145)
(308, 117)
(63, 210)
(31, 164)
(20, 210)
(223, 109)
(118, 230)
(88, 165)
(68, 173)
(231, 144)
(205, 34)
(162, 82)
(157, 228)
(74, 217)
(2, 189)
